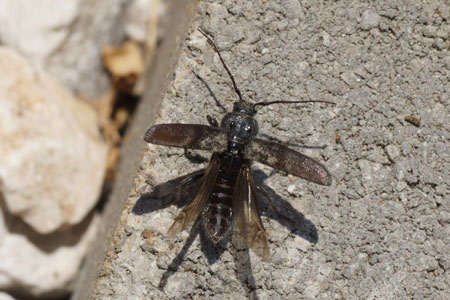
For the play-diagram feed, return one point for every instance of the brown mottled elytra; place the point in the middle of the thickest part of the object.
(227, 193)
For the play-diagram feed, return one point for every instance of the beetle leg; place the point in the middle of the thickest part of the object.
(190, 179)
(212, 121)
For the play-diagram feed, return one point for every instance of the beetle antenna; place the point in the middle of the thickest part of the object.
(291, 102)
(210, 41)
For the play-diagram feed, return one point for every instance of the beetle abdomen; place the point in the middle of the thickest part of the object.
(217, 215)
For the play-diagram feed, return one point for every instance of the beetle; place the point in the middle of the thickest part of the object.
(227, 193)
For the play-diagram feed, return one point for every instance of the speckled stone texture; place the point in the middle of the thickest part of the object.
(381, 231)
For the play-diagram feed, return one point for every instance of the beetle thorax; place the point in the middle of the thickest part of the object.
(240, 127)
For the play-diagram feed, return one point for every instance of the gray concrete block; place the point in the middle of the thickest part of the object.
(381, 230)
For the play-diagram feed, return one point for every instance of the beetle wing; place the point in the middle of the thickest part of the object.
(191, 212)
(246, 214)
(192, 136)
(285, 159)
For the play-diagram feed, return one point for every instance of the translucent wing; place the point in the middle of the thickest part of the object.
(285, 159)
(193, 136)
(246, 213)
(191, 212)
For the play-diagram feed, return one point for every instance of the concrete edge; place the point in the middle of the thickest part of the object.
(157, 79)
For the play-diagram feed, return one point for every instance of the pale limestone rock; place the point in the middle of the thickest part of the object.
(29, 26)
(41, 265)
(136, 26)
(65, 38)
(6, 296)
(52, 158)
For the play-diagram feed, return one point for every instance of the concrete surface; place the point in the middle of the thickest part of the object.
(381, 231)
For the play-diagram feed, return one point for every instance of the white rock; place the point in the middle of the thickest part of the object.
(141, 24)
(65, 38)
(52, 159)
(41, 265)
(136, 25)
(6, 296)
(29, 27)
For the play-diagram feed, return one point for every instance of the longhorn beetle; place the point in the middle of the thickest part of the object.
(227, 193)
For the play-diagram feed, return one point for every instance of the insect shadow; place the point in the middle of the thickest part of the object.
(168, 193)
(282, 211)
(211, 93)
